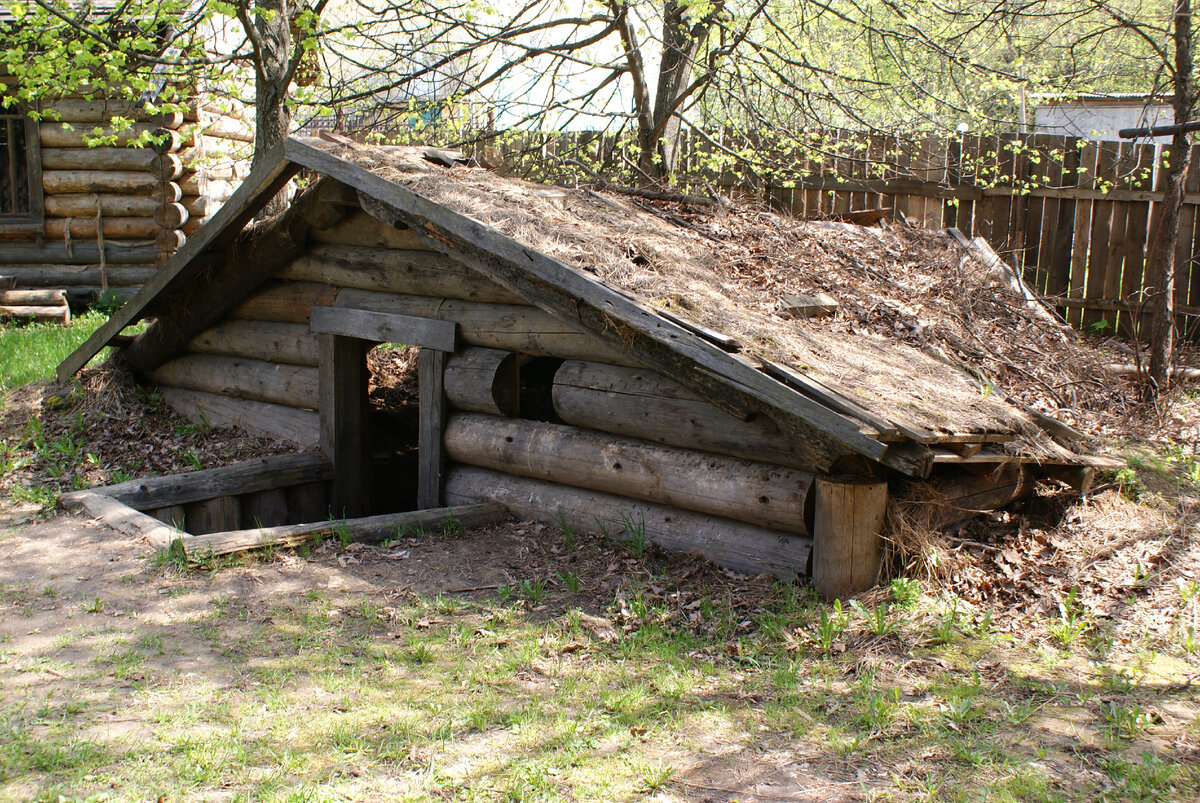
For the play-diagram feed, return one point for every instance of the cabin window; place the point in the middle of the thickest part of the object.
(20, 172)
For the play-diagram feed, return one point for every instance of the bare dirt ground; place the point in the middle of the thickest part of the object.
(465, 666)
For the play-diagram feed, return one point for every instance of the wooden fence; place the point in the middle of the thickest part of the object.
(1076, 215)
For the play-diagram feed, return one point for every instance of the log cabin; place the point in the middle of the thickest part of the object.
(582, 361)
(85, 219)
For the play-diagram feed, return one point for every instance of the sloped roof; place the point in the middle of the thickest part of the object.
(627, 275)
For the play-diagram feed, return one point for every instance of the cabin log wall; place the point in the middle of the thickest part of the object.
(141, 203)
(259, 363)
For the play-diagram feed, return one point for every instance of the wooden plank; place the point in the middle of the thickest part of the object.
(257, 418)
(431, 365)
(1184, 265)
(731, 544)
(1115, 252)
(382, 327)
(213, 515)
(122, 518)
(1102, 216)
(837, 401)
(345, 437)
(1062, 226)
(1077, 265)
(271, 174)
(570, 295)
(367, 530)
(249, 476)
(1132, 277)
(265, 508)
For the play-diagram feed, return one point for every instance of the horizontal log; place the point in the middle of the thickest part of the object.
(961, 495)
(509, 327)
(124, 519)
(290, 385)
(193, 225)
(166, 140)
(483, 381)
(289, 343)
(167, 192)
(121, 227)
(390, 270)
(757, 493)
(170, 240)
(1177, 372)
(97, 158)
(639, 403)
(166, 167)
(54, 135)
(372, 529)
(171, 216)
(60, 313)
(224, 127)
(75, 275)
(284, 302)
(199, 205)
(200, 184)
(102, 110)
(56, 182)
(126, 252)
(733, 544)
(85, 295)
(84, 205)
(361, 229)
(264, 473)
(277, 421)
(41, 298)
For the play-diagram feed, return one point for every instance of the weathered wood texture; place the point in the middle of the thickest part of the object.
(954, 498)
(732, 544)
(265, 508)
(484, 381)
(289, 343)
(361, 230)
(420, 273)
(278, 421)
(262, 183)
(766, 495)
(247, 477)
(371, 529)
(510, 327)
(228, 276)
(640, 403)
(290, 385)
(126, 182)
(137, 159)
(219, 514)
(76, 275)
(85, 227)
(345, 438)
(847, 543)
(122, 518)
(284, 302)
(431, 365)
(383, 327)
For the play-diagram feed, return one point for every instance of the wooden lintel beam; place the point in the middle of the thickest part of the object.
(382, 327)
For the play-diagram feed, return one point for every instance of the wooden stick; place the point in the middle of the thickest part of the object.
(371, 529)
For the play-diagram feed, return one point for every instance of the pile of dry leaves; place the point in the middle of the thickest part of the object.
(104, 428)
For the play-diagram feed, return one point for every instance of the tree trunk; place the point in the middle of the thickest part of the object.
(271, 115)
(1162, 267)
(682, 39)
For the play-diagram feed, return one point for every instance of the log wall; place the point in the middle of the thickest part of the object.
(679, 469)
(117, 205)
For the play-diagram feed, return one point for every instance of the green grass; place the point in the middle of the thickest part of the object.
(30, 352)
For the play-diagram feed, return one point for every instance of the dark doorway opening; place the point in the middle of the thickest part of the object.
(392, 426)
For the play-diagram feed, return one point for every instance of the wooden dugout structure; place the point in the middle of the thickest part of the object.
(544, 388)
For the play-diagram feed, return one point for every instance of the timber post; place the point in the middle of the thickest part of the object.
(847, 534)
(343, 415)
